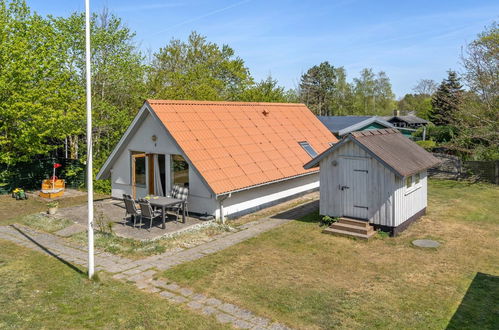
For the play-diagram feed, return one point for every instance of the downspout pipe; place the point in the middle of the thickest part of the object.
(221, 200)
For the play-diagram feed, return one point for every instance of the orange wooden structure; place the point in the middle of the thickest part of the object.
(52, 188)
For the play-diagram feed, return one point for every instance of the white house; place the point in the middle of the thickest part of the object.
(377, 176)
(235, 157)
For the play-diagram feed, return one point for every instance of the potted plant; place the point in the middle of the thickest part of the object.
(52, 207)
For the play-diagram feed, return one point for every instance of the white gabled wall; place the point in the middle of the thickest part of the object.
(251, 200)
(200, 197)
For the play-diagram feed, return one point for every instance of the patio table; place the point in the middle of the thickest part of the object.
(163, 203)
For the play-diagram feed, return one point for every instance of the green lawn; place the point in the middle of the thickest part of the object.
(135, 249)
(38, 291)
(301, 277)
(12, 210)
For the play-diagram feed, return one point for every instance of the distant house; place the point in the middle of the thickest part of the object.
(405, 121)
(343, 125)
(373, 178)
(235, 157)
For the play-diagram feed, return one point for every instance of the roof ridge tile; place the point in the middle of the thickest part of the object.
(224, 103)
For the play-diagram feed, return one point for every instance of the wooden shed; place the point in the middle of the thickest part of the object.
(374, 178)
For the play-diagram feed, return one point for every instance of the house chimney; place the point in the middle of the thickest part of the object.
(396, 113)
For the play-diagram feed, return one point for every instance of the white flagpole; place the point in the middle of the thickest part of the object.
(90, 185)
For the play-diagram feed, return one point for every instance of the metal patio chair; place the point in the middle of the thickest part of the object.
(146, 211)
(174, 191)
(130, 209)
(183, 194)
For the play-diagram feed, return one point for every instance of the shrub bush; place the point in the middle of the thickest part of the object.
(439, 134)
(428, 144)
(328, 221)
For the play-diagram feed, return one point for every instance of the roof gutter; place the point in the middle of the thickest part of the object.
(265, 184)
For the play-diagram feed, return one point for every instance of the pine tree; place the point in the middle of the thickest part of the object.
(447, 100)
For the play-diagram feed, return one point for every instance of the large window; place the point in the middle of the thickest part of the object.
(180, 171)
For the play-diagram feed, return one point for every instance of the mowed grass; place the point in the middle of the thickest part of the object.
(12, 210)
(38, 291)
(136, 249)
(305, 279)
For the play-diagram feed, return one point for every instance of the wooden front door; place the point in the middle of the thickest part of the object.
(353, 187)
(138, 172)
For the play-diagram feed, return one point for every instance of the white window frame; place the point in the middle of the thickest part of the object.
(414, 185)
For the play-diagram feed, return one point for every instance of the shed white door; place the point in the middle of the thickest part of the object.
(354, 187)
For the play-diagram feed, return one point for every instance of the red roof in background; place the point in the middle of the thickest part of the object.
(235, 145)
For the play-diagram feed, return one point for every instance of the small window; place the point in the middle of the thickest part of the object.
(417, 178)
(408, 181)
(308, 148)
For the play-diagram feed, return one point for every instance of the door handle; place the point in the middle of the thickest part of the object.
(344, 187)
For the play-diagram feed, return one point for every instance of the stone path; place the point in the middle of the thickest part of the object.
(71, 230)
(143, 272)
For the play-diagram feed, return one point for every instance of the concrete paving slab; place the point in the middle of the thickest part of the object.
(426, 243)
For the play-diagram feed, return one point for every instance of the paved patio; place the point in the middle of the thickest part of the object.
(142, 272)
(112, 210)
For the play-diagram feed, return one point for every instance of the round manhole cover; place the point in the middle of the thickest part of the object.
(426, 243)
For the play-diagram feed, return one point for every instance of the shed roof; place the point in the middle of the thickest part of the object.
(238, 145)
(391, 148)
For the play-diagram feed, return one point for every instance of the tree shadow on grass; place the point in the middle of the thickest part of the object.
(479, 307)
(46, 250)
(301, 212)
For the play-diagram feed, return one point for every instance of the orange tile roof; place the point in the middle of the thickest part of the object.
(236, 145)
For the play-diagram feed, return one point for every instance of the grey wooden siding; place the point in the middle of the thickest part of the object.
(380, 186)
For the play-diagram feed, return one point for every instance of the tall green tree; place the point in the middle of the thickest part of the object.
(266, 90)
(364, 92)
(118, 86)
(447, 100)
(478, 117)
(316, 88)
(342, 94)
(384, 101)
(373, 93)
(31, 79)
(481, 64)
(323, 88)
(419, 103)
(198, 70)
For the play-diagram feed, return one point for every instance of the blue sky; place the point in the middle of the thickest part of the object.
(409, 40)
